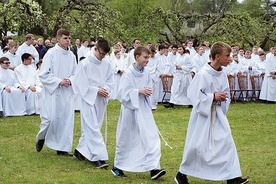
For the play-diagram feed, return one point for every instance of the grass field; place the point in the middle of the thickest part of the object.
(253, 127)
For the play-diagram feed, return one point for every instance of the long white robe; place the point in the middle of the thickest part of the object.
(138, 146)
(210, 152)
(14, 102)
(152, 66)
(82, 52)
(181, 80)
(117, 64)
(24, 48)
(268, 91)
(27, 76)
(91, 75)
(198, 62)
(163, 66)
(57, 109)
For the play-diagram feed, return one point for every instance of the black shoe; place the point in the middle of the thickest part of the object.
(39, 145)
(238, 180)
(64, 153)
(169, 105)
(157, 173)
(78, 155)
(189, 106)
(118, 172)
(181, 178)
(100, 164)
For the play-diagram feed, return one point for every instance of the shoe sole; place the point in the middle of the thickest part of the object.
(158, 175)
(176, 180)
(117, 175)
(245, 181)
(102, 166)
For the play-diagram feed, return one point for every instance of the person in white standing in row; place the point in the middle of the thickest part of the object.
(57, 109)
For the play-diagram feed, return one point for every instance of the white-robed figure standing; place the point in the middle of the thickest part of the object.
(28, 78)
(181, 80)
(119, 65)
(12, 95)
(153, 66)
(93, 81)
(57, 109)
(210, 152)
(138, 146)
(268, 91)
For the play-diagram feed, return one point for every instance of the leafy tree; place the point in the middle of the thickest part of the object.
(19, 16)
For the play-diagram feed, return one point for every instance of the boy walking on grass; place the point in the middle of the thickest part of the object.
(210, 152)
(137, 140)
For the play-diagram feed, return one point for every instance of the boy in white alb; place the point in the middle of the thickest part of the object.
(138, 146)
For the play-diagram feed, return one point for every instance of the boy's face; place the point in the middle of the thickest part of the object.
(28, 61)
(262, 57)
(235, 58)
(201, 50)
(5, 64)
(64, 41)
(142, 60)
(162, 51)
(180, 50)
(224, 58)
(152, 54)
(99, 53)
(118, 55)
(13, 49)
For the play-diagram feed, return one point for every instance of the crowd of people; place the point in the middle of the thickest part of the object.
(57, 78)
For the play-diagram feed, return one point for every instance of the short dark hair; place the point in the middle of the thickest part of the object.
(175, 46)
(103, 44)
(2, 59)
(61, 32)
(25, 56)
(161, 46)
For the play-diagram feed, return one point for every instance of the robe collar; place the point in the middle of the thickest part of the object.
(136, 72)
(11, 54)
(65, 52)
(211, 70)
(92, 58)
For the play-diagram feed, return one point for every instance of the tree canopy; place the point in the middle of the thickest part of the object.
(249, 23)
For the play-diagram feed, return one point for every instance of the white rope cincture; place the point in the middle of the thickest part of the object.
(105, 131)
(212, 141)
(166, 143)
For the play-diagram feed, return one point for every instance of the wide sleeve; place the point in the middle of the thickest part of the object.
(48, 79)
(109, 85)
(80, 84)
(19, 76)
(128, 95)
(200, 98)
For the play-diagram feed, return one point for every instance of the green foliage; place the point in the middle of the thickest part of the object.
(252, 124)
(20, 15)
(251, 22)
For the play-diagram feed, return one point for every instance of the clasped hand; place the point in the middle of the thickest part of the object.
(65, 82)
(145, 91)
(221, 96)
(103, 92)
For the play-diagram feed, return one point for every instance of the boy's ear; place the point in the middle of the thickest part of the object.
(136, 57)
(217, 56)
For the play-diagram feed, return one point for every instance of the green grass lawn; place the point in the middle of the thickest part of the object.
(253, 129)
